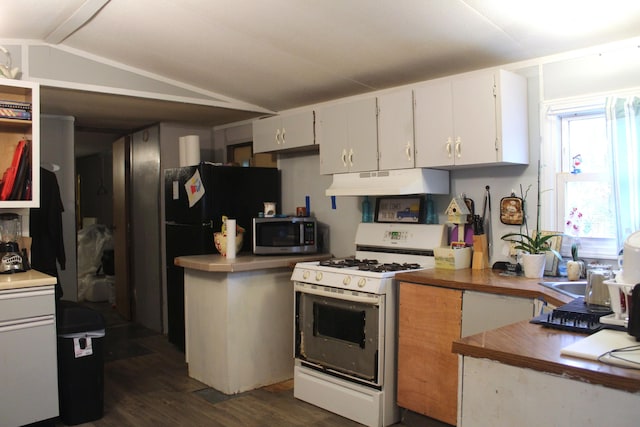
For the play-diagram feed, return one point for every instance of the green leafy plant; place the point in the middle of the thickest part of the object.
(538, 243)
(574, 252)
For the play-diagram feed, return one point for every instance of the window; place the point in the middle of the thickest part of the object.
(594, 147)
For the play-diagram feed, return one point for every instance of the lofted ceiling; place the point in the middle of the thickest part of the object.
(281, 54)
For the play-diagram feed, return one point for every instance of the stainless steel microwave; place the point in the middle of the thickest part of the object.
(285, 235)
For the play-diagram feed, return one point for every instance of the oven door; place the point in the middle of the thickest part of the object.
(341, 332)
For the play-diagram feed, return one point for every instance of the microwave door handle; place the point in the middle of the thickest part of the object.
(301, 233)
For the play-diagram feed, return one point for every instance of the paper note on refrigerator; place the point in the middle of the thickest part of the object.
(194, 188)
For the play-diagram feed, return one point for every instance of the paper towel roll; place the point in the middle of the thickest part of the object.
(189, 150)
(231, 238)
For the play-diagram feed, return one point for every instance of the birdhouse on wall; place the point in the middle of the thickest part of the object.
(457, 211)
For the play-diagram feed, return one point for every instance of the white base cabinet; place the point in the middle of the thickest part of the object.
(28, 363)
(483, 311)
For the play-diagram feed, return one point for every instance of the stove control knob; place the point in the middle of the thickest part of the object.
(362, 282)
(305, 274)
(346, 281)
(318, 276)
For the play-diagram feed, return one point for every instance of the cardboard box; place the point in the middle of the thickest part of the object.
(452, 259)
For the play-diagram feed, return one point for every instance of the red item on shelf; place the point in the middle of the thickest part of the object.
(9, 176)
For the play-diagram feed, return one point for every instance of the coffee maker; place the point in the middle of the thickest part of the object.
(11, 260)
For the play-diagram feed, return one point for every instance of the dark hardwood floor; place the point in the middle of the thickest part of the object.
(146, 384)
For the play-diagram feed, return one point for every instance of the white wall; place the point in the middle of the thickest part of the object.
(301, 177)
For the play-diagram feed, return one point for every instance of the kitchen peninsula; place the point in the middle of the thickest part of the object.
(239, 319)
(514, 373)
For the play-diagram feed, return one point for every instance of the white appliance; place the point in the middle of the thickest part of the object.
(345, 333)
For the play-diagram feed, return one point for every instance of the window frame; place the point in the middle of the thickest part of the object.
(556, 158)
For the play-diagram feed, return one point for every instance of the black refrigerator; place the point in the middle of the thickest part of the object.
(237, 192)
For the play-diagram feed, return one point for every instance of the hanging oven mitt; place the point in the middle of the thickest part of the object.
(511, 210)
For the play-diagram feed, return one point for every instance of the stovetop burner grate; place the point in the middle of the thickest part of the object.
(369, 265)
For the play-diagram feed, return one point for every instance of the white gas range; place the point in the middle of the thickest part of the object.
(345, 321)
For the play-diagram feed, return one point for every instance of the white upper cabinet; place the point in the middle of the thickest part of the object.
(472, 120)
(395, 130)
(284, 132)
(347, 135)
(20, 144)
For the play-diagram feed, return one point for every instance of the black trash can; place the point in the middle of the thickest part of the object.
(81, 332)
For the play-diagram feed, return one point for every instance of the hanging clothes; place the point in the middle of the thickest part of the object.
(45, 227)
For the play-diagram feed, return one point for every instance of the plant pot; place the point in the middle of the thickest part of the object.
(575, 270)
(533, 265)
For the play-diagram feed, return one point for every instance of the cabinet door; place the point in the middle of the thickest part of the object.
(21, 187)
(266, 134)
(504, 311)
(347, 136)
(363, 135)
(435, 145)
(333, 139)
(513, 129)
(395, 130)
(474, 119)
(28, 367)
(429, 321)
(297, 130)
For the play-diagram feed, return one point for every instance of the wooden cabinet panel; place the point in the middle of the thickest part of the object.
(429, 321)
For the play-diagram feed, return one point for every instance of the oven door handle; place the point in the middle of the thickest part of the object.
(365, 298)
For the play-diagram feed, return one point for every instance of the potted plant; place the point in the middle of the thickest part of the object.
(534, 247)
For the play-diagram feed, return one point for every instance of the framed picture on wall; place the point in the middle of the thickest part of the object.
(400, 209)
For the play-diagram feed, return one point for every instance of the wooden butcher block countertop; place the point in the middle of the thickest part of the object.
(490, 281)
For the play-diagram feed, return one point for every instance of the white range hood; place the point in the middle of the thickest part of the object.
(390, 183)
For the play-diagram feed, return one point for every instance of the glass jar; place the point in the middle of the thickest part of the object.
(596, 294)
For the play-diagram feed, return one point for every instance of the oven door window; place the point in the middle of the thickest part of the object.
(278, 234)
(339, 334)
(339, 323)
